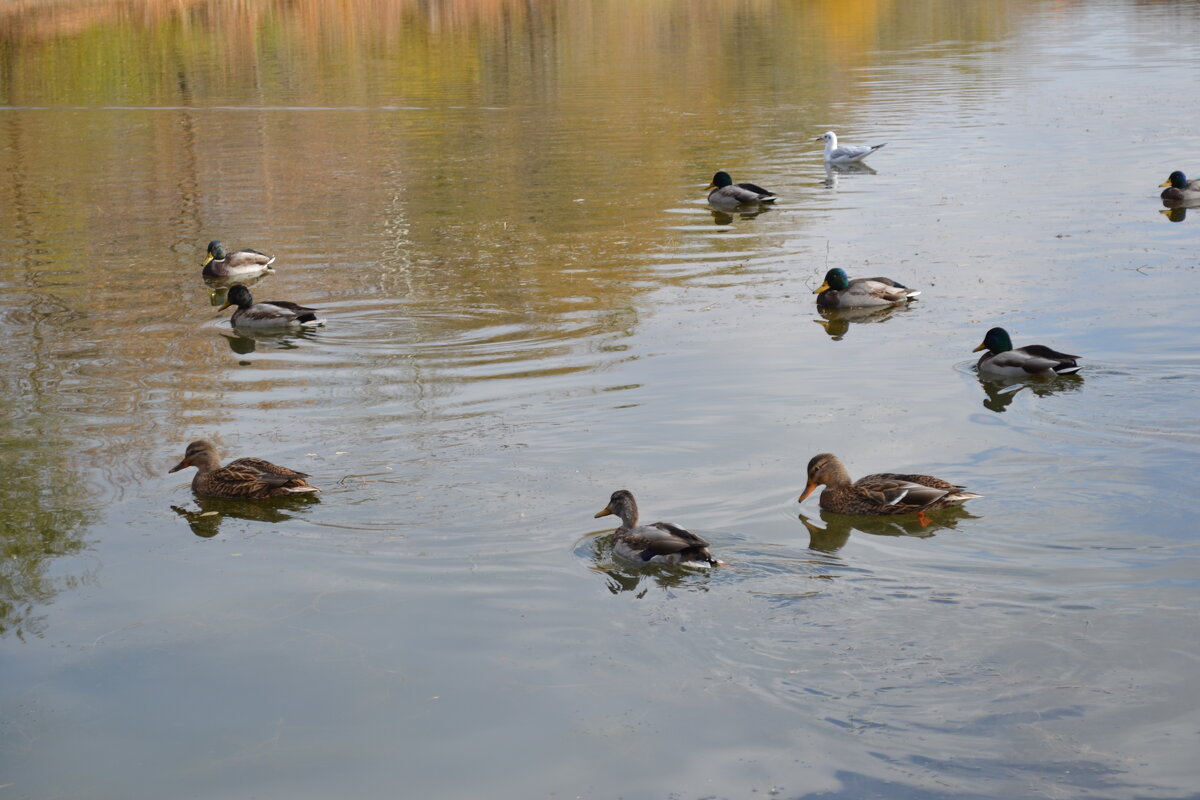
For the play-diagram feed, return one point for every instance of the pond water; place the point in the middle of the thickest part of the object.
(499, 209)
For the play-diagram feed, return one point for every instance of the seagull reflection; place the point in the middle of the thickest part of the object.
(834, 171)
(205, 522)
(836, 532)
(623, 576)
(1002, 391)
(836, 321)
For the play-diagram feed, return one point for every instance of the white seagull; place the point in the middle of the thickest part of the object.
(847, 153)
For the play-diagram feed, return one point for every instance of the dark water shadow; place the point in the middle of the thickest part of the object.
(1000, 391)
(836, 533)
(206, 520)
(837, 321)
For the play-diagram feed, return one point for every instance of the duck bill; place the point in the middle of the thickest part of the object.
(981, 347)
(179, 466)
(603, 513)
(812, 485)
(823, 287)
(210, 258)
(1167, 182)
(713, 186)
(227, 305)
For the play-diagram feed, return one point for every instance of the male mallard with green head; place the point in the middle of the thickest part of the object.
(838, 291)
(659, 542)
(245, 478)
(1002, 358)
(1180, 189)
(884, 493)
(268, 314)
(233, 264)
(727, 194)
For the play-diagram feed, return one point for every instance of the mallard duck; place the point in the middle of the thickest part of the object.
(885, 493)
(245, 478)
(847, 153)
(268, 314)
(239, 263)
(838, 291)
(1032, 359)
(1179, 188)
(727, 194)
(659, 542)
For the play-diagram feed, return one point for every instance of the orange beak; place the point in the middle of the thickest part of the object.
(179, 466)
(1167, 182)
(981, 347)
(812, 485)
(603, 513)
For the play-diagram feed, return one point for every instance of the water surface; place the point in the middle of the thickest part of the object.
(499, 209)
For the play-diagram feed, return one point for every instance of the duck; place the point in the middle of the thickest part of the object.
(657, 543)
(847, 153)
(243, 479)
(268, 314)
(238, 263)
(1021, 362)
(727, 194)
(838, 291)
(1179, 188)
(883, 494)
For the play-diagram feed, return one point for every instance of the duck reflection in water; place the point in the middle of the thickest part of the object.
(1001, 391)
(218, 288)
(836, 532)
(837, 321)
(206, 520)
(244, 341)
(721, 217)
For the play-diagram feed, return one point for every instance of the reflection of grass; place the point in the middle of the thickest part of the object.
(37, 525)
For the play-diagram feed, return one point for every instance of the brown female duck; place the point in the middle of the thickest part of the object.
(245, 478)
(885, 493)
(659, 542)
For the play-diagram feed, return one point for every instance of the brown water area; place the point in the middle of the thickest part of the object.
(499, 209)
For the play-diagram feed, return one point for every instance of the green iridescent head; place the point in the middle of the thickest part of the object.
(835, 279)
(996, 340)
(720, 181)
(216, 251)
(1176, 179)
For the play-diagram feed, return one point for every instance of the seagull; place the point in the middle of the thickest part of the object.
(847, 153)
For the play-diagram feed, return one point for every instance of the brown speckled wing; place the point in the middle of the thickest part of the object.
(252, 478)
(884, 489)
